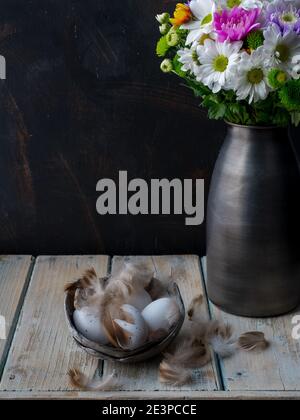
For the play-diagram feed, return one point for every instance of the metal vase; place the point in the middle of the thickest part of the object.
(253, 224)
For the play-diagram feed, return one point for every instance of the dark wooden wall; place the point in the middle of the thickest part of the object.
(84, 98)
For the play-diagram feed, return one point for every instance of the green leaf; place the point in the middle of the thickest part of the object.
(216, 110)
(200, 91)
(177, 67)
(238, 113)
(162, 47)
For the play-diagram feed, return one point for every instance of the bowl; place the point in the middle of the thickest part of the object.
(108, 352)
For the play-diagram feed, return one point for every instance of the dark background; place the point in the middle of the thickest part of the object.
(84, 98)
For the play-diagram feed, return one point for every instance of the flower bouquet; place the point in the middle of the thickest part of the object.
(241, 57)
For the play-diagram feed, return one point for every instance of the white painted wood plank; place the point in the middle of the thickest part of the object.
(162, 395)
(14, 276)
(43, 351)
(276, 369)
(144, 376)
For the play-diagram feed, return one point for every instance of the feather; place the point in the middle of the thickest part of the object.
(131, 277)
(109, 295)
(196, 328)
(216, 328)
(194, 305)
(222, 347)
(71, 286)
(140, 273)
(173, 375)
(109, 326)
(220, 337)
(117, 293)
(85, 281)
(191, 352)
(253, 340)
(156, 289)
(87, 290)
(81, 381)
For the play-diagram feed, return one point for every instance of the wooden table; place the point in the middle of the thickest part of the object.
(38, 351)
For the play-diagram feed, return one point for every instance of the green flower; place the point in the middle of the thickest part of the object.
(162, 47)
(290, 95)
(164, 28)
(163, 18)
(233, 3)
(255, 39)
(173, 39)
(277, 78)
(166, 66)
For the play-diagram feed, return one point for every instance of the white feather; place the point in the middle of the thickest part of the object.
(223, 347)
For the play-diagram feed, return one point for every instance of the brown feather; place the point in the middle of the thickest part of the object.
(156, 289)
(130, 277)
(71, 286)
(120, 287)
(173, 375)
(84, 281)
(253, 340)
(122, 337)
(81, 381)
(88, 278)
(109, 328)
(191, 352)
(109, 296)
(194, 306)
(218, 329)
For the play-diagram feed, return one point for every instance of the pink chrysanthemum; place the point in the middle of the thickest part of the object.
(235, 24)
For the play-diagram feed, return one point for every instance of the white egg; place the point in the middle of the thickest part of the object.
(162, 314)
(88, 323)
(132, 332)
(139, 299)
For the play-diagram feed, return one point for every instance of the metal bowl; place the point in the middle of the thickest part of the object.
(148, 351)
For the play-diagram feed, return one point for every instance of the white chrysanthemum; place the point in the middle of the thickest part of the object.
(296, 67)
(218, 63)
(203, 12)
(190, 59)
(281, 49)
(252, 4)
(246, 4)
(251, 82)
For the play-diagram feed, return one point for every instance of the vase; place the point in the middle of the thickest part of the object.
(253, 224)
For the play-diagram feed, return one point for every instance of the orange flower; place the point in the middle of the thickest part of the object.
(182, 15)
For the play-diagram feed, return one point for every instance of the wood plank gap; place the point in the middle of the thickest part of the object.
(109, 265)
(221, 365)
(217, 359)
(16, 317)
(101, 366)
